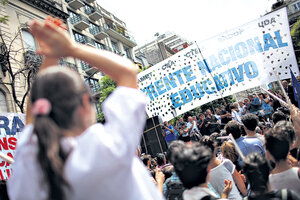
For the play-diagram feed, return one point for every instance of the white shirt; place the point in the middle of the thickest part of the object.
(102, 163)
(217, 176)
(197, 193)
(236, 117)
(288, 179)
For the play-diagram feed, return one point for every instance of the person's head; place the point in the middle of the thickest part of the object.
(194, 118)
(181, 119)
(218, 111)
(278, 141)
(278, 116)
(228, 151)
(261, 96)
(234, 128)
(168, 171)
(208, 142)
(250, 121)
(3, 190)
(250, 97)
(61, 104)
(246, 101)
(201, 115)
(190, 119)
(190, 163)
(146, 159)
(241, 104)
(256, 169)
(174, 144)
(285, 83)
(208, 112)
(161, 159)
(166, 123)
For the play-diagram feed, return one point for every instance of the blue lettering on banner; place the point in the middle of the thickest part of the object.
(17, 125)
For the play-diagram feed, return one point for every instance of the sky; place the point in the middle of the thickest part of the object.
(191, 19)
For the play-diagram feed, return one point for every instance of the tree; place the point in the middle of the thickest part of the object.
(295, 33)
(21, 71)
(107, 86)
(3, 19)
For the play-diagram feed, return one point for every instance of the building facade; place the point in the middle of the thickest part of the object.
(164, 46)
(87, 23)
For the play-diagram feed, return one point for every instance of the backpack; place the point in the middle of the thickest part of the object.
(174, 189)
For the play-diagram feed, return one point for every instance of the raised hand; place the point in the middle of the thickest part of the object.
(53, 40)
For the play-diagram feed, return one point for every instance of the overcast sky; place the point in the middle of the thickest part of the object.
(192, 19)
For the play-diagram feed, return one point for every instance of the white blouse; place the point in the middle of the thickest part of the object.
(102, 163)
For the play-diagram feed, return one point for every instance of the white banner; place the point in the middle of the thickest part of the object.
(234, 61)
(11, 125)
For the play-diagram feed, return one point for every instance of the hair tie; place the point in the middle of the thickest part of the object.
(41, 107)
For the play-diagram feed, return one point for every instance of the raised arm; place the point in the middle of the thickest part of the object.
(57, 43)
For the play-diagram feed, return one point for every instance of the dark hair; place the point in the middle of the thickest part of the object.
(264, 96)
(234, 128)
(190, 163)
(250, 121)
(145, 159)
(256, 169)
(208, 142)
(278, 141)
(278, 116)
(174, 144)
(160, 159)
(286, 128)
(3, 190)
(168, 171)
(63, 89)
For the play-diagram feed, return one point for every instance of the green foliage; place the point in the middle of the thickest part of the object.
(107, 86)
(295, 33)
(3, 19)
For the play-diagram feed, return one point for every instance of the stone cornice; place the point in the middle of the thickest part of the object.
(48, 7)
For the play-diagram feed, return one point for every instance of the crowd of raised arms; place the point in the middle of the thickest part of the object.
(203, 163)
(246, 150)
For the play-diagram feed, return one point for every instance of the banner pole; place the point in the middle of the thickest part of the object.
(210, 73)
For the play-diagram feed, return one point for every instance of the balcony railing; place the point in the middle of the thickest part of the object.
(121, 33)
(85, 40)
(32, 59)
(93, 13)
(76, 4)
(98, 32)
(69, 65)
(79, 22)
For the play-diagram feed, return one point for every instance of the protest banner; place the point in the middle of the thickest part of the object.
(240, 59)
(11, 125)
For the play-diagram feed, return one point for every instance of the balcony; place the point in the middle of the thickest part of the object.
(76, 4)
(98, 32)
(80, 22)
(31, 59)
(69, 65)
(93, 13)
(120, 34)
(89, 70)
(90, 1)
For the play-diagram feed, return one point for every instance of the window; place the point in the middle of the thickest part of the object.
(127, 51)
(296, 6)
(28, 40)
(93, 84)
(3, 103)
(79, 37)
(99, 45)
(115, 47)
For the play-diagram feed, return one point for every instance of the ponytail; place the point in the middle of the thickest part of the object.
(51, 156)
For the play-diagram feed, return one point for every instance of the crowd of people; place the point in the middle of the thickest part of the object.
(244, 150)
(202, 161)
(262, 105)
(211, 167)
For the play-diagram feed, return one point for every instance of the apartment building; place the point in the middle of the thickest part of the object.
(87, 23)
(164, 46)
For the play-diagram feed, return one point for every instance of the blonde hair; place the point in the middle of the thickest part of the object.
(228, 151)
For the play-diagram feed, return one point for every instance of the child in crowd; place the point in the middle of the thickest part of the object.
(64, 154)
